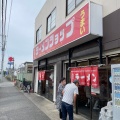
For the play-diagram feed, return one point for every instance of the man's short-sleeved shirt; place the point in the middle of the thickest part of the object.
(69, 91)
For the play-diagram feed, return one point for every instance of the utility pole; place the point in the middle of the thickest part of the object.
(3, 36)
(0, 22)
(2, 49)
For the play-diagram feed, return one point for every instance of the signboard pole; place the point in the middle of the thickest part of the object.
(90, 102)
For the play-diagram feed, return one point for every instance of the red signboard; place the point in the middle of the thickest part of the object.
(75, 27)
(41, 75)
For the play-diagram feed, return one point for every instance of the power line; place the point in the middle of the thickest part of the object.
(2, 20)
(5, 24)
(8, 24)
(9, 16)
(5, 16)
(4, 13)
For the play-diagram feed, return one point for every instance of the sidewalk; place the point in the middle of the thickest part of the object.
(5, 83)
(47, 106)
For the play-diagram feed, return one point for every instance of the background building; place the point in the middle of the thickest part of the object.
(25, 71)
(72, 33)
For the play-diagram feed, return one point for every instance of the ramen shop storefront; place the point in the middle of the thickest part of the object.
(84, 26)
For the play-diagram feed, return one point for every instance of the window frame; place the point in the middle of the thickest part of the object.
(76, 5)
(37, 32)
(50, 15)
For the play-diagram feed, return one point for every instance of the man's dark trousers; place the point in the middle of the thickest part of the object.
(67, 108)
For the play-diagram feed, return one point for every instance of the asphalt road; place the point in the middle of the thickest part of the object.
(15, 106)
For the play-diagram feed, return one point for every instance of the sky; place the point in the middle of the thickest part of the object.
(20, 39)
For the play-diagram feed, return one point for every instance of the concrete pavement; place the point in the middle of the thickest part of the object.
(15, 106)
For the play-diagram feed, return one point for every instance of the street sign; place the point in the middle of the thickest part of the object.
(10, 63)
(10, 59)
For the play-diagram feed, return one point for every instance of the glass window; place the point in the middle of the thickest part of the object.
(29, 71)
(51, 21)
(72, 4)
(38, 35)
(114, 60)
(97, 61)
(83, 63)
(48, 24)
(78, 1)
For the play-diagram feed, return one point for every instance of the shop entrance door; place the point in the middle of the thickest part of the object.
(98, 100)
(45, 87)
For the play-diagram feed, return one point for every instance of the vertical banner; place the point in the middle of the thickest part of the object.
(87, 75)
(94, 77)
(82, 76)
(74, 74)
(41, 75)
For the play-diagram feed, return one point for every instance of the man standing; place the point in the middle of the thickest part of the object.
(69, 98)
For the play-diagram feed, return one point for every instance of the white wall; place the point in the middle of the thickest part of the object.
(36, 81)
(109, 6)
(44, 13)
